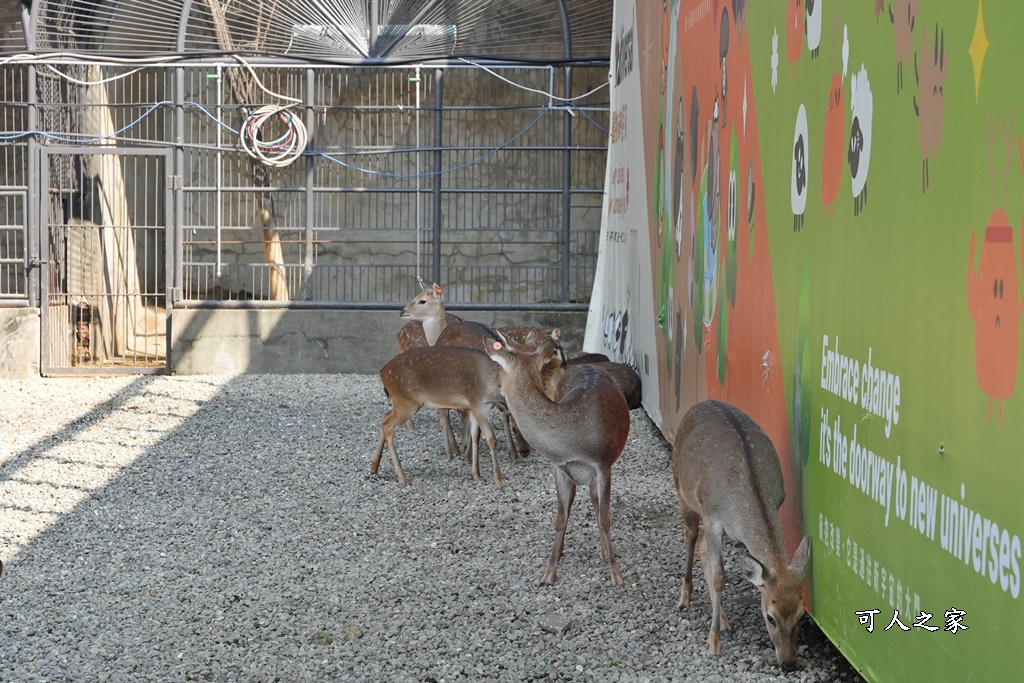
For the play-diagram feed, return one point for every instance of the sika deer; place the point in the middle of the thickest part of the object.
(428, 319)
(727, 472)
(431, 325)
(582, 431)
(443, 377)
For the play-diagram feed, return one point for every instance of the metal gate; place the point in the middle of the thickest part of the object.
(106, 243)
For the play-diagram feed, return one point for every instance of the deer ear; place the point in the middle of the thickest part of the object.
(803, 553)
(556, 334)
(437, 289)
(754, 571)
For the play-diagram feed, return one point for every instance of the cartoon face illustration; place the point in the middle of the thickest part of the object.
(798, 174)
(992, 298)
(930, 80)
(813, 26)
(859, 149)
(833, 145)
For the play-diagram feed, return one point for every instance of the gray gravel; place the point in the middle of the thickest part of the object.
(228, 529)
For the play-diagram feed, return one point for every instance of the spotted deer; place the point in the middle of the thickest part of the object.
(431, 325)
(727, 474)
(582, 430)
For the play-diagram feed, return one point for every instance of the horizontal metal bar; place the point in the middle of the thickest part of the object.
(369, 306)
(104, 370)
(390, 190)
(303, 62)
(121, 151)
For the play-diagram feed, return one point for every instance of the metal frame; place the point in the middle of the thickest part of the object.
(44, 270)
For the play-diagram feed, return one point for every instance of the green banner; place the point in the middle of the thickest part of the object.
(834, 199)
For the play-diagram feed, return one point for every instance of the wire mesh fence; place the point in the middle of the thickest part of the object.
(479, 178)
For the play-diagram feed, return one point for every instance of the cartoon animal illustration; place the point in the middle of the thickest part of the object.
(812, 27)
(930, 81)
(679, 194)
(858, 154)
(794, 33)
(705, 252)
(903, 19)
(832, 145)
(798, 174)
(996, 310)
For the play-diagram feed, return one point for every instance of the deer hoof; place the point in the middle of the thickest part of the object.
(686, 595)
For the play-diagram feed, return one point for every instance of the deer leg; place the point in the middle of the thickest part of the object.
(691, 527)
(392, 419)
(711, 562)
(517, 443)
(601, 496)
(506, 421)
(522, 445)
(473, 437)
(467, 431)
(565, 488)
(492, 444)
(450, 445)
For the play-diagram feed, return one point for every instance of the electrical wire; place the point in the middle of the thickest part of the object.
(529, 89)
(284, 150)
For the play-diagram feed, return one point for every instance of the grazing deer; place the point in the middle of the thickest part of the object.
(581, 430)
(442, 377)
(727, 473)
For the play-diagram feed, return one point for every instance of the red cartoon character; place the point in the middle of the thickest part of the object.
(794, 32)
(834, 146)
(992, 298)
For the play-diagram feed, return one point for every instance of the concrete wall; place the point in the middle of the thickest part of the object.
(230, 342)
(19, 343)
(217, 342)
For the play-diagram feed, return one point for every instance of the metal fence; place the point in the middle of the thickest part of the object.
(126, 192)
(477, 177)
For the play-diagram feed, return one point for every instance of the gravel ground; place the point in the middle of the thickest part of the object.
(228, 529)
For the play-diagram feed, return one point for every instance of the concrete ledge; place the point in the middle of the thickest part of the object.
(19, 343)
(219, 342)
